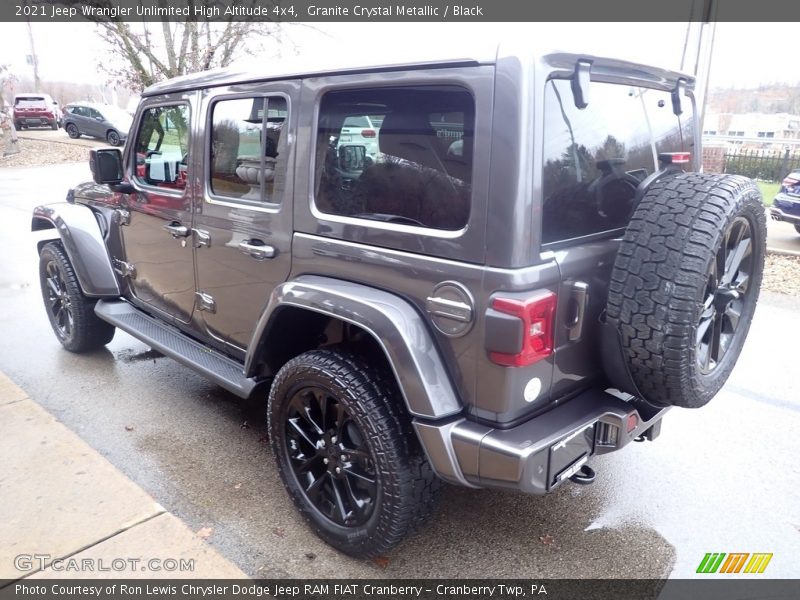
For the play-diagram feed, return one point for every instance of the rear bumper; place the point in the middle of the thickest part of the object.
(542, 453)
(780, 215)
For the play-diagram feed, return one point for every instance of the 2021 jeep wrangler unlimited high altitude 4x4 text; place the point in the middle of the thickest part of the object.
(526, 270)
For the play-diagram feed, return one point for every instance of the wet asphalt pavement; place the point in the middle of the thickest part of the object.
(720, 479)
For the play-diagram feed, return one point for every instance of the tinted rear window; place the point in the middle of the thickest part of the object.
(413, 167)
(596, 157)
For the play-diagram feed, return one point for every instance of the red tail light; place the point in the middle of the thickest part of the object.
(675, 158)
(368, 133)
(537, 314)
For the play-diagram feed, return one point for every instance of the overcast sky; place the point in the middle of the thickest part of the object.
(745, 55)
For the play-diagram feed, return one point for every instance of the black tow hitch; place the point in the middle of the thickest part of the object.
(584, 476)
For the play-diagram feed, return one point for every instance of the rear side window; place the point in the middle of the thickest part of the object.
(248, 154)
(400, 155)
(595, 158)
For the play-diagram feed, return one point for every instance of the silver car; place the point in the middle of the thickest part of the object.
(101, 121)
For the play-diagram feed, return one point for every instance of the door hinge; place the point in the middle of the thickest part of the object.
(202, 238)
(205, 302)
(124, 269)
(124, 216)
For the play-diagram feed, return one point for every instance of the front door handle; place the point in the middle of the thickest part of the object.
(257, 249)
(177, 230)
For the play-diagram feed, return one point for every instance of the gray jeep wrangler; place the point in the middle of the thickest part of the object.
(481, 271)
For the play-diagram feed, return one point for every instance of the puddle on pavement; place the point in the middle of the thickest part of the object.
(128, 355)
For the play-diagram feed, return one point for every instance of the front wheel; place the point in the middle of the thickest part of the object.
(71, 313)
(346, 451)
(72, 131)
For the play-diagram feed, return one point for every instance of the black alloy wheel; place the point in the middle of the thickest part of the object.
(346, 451)
(330, 458)
(726, 294)
(71, 314)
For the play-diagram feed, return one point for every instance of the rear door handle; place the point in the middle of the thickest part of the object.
(257, 249)
(177, 230)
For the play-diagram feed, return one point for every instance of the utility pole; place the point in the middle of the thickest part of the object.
(34, 59)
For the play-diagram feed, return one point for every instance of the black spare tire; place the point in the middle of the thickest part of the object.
(685, 285)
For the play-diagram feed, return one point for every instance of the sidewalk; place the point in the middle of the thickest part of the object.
(61, 498)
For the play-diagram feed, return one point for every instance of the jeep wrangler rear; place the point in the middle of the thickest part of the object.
(483, 271)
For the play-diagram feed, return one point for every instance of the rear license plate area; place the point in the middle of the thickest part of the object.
(568, 454)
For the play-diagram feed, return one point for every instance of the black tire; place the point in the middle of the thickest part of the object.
(54, 126)
(375, 441)
(690, 262)
(71, 313)
(797, 227)
(112, 137)
(18, 126)
(72, 131)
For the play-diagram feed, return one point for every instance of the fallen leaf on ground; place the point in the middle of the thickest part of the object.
(128, 427)
(310, 555)
(381, 561)
(547, 539)
(279, 531)
(205, 532)
(238, 486)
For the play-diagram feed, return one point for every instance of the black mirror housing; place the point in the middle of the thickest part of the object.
(106, 165)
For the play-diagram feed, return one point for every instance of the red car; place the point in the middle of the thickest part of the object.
(36, 110)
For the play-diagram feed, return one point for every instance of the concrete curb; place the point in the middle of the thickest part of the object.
(781, 252)
(62, 499)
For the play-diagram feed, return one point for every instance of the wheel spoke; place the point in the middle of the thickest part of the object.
(313, 490)
(302, 433)
(722, 258)
(702, 328)
(306, 462)
(733, 314)
(53, 285)
(743, 249)
(716, 338)
(339, 497)
(360, 476)
(304, 411)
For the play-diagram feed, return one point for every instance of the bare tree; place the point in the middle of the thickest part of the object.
(151, 52)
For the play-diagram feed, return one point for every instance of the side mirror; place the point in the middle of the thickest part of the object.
(106, 165)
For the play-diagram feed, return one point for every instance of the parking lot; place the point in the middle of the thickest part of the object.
(719, 479)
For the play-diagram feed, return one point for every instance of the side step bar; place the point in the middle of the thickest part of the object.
(169, 341)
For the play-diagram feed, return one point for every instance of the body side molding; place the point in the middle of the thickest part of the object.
(393, 322)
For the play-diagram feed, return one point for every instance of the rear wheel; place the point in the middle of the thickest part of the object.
(71, 313)
(685, 285)
(54, 125)
(72, 131)
(112, 137)
(18, 125)
(346, 451)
